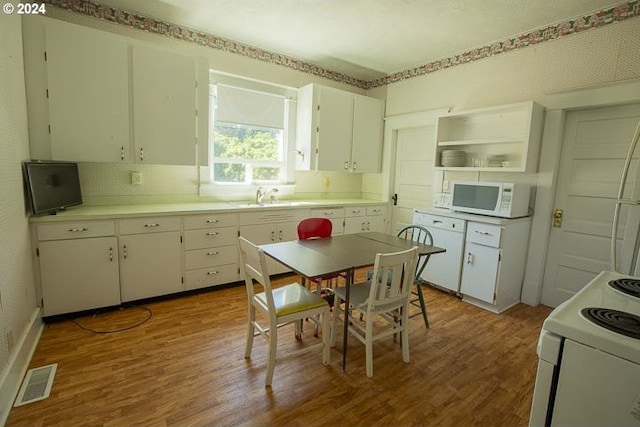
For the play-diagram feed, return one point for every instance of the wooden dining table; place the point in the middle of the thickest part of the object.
(315, 258)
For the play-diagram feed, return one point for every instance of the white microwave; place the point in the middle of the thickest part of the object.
(501, 199)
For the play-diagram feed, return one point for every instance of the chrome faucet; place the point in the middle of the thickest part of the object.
(259, 195)
(262, 193)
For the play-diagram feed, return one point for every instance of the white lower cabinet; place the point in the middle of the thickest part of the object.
(211, 254)
(151, 260)
(493, 263)
(359, 219)
(335, 214)
(78, 266)
(84, 265)
(79, 274)
(272, 226)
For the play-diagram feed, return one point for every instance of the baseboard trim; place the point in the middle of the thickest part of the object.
(18, 363)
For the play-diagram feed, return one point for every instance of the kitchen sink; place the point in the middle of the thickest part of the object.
(267, 204)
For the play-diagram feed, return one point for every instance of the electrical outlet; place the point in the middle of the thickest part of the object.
(136, 178)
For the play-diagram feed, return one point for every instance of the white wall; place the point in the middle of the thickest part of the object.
(604, 55)
(17, 291)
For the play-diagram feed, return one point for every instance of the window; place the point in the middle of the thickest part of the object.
(249, 135)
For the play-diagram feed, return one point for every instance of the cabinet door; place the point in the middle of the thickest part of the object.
(355, 224)
(258, 234)
(335, 132)
(261, 234)
(164, 107)
(88, 89)
(375, 223)
(368, 114)
(79, 274)
(150, 265)
(287, 231)
(480, 272)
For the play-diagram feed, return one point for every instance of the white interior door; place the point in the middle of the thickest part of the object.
(413, 180)
(593, 150)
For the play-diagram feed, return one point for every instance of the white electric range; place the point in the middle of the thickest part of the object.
(589, 357)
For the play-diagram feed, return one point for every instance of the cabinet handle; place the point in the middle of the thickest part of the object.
(152, 225)
(368, 226)
(78, 230)
(273, 236)
(141, 154)
(355, 166)
(110, 254)
(212, 233)
(124, 251)
(362, 226)
(211, 221)
(280, 235)
(346, 166)
(482, 233)
(469, 258)
(435, 221)
(122, 152)
(328, 213)
(211, 273)
(212, 253)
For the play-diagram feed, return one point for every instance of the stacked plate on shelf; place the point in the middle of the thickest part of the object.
(453, 158)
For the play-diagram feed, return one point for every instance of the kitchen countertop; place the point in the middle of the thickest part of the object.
(87, 212)
(472, 217)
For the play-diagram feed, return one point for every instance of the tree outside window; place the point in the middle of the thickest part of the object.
(247, 136)
(246, 154)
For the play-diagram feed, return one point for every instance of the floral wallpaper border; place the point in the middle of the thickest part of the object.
(564, 28)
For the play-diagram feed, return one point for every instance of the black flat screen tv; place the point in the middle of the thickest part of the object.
(51, 186)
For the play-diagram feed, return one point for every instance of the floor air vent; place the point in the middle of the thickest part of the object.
(36, 385)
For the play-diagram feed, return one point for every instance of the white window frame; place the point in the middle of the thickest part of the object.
(234, 190)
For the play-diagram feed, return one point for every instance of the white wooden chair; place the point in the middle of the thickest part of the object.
(280, 306)
(386, 297)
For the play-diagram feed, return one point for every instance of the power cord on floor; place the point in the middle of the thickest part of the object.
(95, 331)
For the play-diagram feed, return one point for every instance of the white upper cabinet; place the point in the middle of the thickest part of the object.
(366, 151)
(505, 138)
(94, 96)
(88, 91)
(164, 106)
(338, 130)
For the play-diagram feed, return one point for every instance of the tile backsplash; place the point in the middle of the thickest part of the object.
(112, 182)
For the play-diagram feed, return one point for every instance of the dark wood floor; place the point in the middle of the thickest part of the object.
(185, 367)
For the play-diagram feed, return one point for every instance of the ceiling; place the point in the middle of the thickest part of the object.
(364, 39)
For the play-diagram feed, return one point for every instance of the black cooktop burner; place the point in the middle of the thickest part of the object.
(617, 321)
(626, 285)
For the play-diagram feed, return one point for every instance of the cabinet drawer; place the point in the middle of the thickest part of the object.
(211, 276)
(484, 234)
(75, 230)
(192, 222)
(376, 210)
(149, 225)
(327, 212)
(355, 211)
(441, 222)
(201, 239)
(201, 258)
